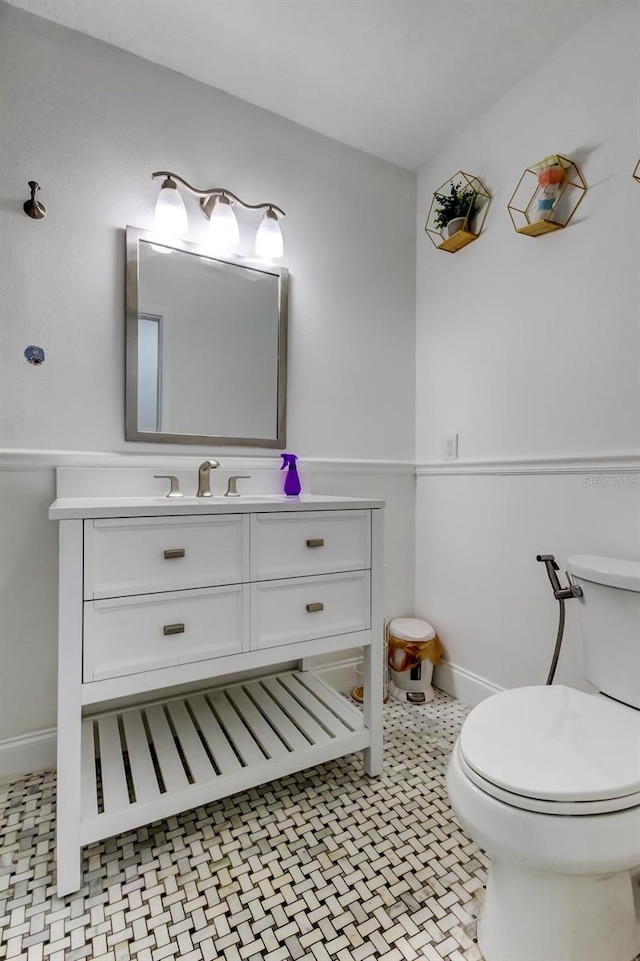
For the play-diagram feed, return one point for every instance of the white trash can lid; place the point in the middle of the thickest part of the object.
(411, 629)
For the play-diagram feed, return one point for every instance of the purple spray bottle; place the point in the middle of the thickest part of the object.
(291, 481)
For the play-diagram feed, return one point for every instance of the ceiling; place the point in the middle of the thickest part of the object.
(396, 78)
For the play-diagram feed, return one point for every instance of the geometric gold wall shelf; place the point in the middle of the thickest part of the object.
(636, 172)
(547, 196)
(457, 213)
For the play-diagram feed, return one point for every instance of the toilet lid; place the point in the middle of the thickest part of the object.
(554, 743)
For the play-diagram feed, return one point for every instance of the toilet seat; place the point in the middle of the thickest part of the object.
(554, 750)
(538, 806)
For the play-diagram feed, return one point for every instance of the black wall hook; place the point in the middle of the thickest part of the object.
(32, 207)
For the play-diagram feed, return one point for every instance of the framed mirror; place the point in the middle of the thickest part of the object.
(206, 346)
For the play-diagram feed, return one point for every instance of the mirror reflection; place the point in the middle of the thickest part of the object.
(205, 347)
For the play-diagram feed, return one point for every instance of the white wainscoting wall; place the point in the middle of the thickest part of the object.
(479, 527)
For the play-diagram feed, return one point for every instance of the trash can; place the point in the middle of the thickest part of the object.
(413, 649)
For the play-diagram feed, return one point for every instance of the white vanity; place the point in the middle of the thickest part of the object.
(160, 601)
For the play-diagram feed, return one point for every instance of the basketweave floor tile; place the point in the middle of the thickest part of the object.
(324, 865)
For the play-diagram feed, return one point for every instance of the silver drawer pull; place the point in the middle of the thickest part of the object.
(173, 629)
(316, 542)
(312, 608)
(174, 552)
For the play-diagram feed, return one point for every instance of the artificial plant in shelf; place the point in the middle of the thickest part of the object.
(455, 210)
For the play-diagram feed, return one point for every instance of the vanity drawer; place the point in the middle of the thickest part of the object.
(306, 607)
(309, 542)
(125, 556)
(130, 635)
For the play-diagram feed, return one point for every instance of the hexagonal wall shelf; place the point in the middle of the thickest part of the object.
(457, 212)
(547, 196)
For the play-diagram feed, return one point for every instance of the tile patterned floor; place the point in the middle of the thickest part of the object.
(326, 864)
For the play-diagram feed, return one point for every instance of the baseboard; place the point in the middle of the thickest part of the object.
(27, 754)
(462, 684)
(465, 686)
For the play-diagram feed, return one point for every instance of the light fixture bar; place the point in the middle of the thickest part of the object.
(216, 192)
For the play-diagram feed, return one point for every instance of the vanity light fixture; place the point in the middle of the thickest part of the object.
(224, 232)
(269, 243)
(217, 205)
(171, 213)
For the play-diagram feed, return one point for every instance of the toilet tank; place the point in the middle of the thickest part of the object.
(610, 619)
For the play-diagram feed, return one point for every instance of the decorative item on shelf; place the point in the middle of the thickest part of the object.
(32, 207)
(547, 196)
(636, 172)
(216, 204)
(457, 212)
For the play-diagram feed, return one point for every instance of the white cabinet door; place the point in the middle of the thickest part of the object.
(309, 542)
(125, 556)
(129, 635)
(303, 608)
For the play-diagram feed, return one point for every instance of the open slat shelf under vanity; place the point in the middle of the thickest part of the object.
(180, 626)
(144, 763)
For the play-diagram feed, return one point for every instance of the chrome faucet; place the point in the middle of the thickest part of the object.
(204, 471)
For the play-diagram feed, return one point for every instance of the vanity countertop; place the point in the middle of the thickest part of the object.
(67, 508)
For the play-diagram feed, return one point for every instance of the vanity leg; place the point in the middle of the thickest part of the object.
(372, 666)
(68, 865)
(68, 790)
(372, 675)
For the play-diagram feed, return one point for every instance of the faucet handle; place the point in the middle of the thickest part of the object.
(174, 489)
(232, 490)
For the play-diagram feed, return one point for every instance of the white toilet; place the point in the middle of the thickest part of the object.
(547, 781)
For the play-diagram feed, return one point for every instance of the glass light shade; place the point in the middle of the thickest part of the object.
(269, 243)
(171, 214)
(223, 226)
